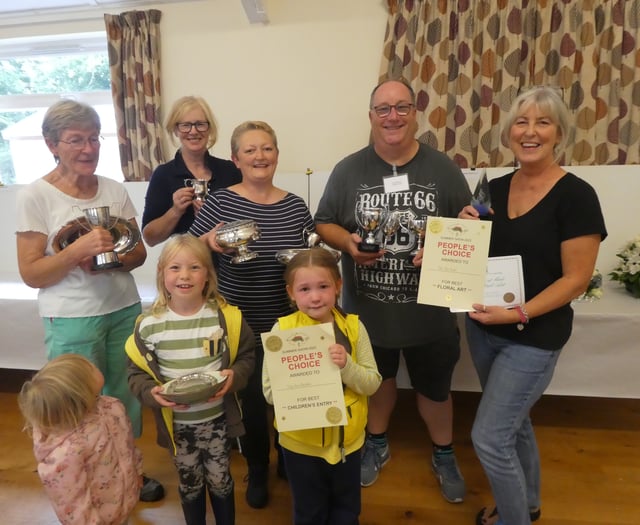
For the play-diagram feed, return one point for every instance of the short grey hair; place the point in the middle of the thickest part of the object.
(66, 114)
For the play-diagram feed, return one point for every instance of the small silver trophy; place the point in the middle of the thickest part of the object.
(238, 234)
(200, 187)
(369, 219)
(418, 225)
(390, 226)
(100, 217)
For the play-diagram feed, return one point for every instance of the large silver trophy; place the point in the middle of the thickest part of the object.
(238, 234)
(369, 219)
(100, 217)
(125, 234)
(200, 187)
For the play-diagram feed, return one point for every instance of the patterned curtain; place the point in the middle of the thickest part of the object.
(134, 61)
(467, 60)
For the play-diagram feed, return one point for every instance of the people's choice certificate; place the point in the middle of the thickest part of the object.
(305, 383)
(454, 263)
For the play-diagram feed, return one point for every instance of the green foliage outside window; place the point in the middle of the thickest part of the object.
(46, 75)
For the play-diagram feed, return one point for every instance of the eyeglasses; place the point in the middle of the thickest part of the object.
(80, 143)
(384, 110)
(185, 127)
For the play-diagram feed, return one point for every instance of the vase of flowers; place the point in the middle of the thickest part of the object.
(627, 271)
(594, 288)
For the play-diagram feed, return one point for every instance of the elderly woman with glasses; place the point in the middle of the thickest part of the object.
(171, 202)
(87, 309)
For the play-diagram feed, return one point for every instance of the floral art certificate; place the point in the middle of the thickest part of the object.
(454, 263)
(305, 383)
(504, 283)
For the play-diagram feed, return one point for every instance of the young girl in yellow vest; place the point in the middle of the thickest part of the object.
(175, 339)
(323, 464)
(88, 463)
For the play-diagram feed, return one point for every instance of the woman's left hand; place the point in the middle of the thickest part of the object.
(493, 314)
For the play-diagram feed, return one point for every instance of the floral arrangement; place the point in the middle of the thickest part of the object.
(594, 288)
(628, 270)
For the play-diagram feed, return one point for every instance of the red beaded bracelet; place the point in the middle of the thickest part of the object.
(524, 316)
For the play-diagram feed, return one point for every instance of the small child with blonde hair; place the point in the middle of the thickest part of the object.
(192, 329)
(87, 460)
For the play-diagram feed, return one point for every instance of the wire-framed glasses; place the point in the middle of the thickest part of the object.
(200, 125)
(384, 110)
(79, 143)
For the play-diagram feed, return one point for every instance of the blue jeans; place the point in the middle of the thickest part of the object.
(513, 377)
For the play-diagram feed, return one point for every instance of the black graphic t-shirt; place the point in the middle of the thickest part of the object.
(385, 294)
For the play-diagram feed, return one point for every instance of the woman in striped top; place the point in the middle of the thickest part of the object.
(256, 286)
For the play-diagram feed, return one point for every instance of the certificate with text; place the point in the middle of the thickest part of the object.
(306, 385)
(504, 283)
(454, 263)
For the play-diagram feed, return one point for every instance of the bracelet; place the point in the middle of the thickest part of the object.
(524, 316)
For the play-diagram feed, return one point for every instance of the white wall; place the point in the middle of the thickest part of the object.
(308, 72)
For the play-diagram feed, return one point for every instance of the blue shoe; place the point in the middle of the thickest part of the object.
(452, 486)
(374, 457)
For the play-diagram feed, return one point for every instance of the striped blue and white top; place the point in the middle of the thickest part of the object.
(257, 286)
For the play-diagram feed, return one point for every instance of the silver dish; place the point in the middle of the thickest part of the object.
(193, 388)
(125, 234)
(284, 256)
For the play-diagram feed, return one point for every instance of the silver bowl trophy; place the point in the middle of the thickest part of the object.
(200, 187)
(369, 219)
(100, 217)
(238, 234)
(312, 240)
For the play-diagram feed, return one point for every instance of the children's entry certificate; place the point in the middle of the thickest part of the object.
(454, 263)
(305, 383)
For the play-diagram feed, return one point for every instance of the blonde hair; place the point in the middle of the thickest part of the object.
(60, 395)
(181, 107)
(251, 125)
(315, 257)
(185, 241)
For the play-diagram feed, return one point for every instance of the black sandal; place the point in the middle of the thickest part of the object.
(482, 516)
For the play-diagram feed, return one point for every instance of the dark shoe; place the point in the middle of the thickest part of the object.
(452, 486)
(257, 492)
(151, 490)
(224, 508)
(487, 517)
(195, 511)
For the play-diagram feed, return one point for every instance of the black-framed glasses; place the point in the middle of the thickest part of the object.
(384, 110)
(200, 125)
(79, 143)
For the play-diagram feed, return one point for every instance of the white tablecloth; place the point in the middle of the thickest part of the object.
(601, 359)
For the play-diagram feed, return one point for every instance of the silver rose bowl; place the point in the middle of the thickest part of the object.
(237, 235)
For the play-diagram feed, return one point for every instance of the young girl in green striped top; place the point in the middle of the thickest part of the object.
(191, 329)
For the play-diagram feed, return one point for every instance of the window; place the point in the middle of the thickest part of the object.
(35, 73)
